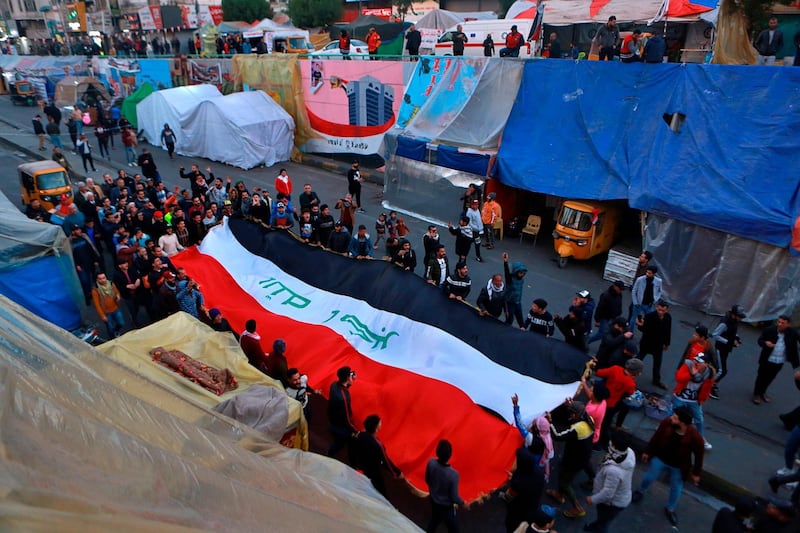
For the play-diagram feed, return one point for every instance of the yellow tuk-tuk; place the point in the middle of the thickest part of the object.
(584, 229)
(22, 92)
(45, 181)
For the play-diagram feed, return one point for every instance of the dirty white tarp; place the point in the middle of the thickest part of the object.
(82, 453)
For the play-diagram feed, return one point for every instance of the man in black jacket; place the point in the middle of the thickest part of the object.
(492, 298)
(608, 308)
(340, 412)
(656, 328)
(436, 271)
(370, 456)
(413, 42)
(778, 345)
(38, 130)
(571, 326)
(458, 285)
(613, 343)
(339, 239)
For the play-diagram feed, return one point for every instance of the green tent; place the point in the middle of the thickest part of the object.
(129, 104)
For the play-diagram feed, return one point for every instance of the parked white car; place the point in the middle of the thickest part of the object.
(358, 50)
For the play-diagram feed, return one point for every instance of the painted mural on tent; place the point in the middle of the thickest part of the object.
(124, 76)
(350, 104)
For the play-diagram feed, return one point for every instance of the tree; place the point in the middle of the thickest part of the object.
(403, 7)
(312, 13)
(246, 10)
(504, 6)
(757, 12)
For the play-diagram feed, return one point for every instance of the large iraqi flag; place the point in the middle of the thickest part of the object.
(431, 368)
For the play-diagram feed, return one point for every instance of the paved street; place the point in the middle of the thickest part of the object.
(747, 438)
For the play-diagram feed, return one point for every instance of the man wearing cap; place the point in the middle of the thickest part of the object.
(514, 42)
(676, 447)
(490, 212)
(647, 290)
(608, 308)
(621, 383)
(656, 328)
(725, 340)
(219, 322)
(339, 240)
(693, 382)
(168, 294)
(583, 299)
(340, 412)
(778, 346)
(360, 245)
(277, 365)
(354, 180)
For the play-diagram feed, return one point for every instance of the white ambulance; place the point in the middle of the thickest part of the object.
(476, 32)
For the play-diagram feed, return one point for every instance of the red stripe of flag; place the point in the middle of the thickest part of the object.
(416, 410)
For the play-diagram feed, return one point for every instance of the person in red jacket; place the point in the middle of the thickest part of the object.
(620, 382)
(694, 381)
(283, 183)
(373, 43)
(671, 448)
(250, 341)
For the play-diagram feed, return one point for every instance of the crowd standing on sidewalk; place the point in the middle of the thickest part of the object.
(127, 226)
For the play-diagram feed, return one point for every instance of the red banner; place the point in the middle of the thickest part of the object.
(156, 12)
(216, 13)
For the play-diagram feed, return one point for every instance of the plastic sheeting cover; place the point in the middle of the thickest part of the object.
(279, 76)
(171, 106)
(220, 350)
(711, 271)
(242, 129)
(425, 191)
(81, 452)
(447, 98)
(130, 103)
(732, 45)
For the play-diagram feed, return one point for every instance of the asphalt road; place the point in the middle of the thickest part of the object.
(696, 509)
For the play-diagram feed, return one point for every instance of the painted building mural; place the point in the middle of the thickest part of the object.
(350, 104)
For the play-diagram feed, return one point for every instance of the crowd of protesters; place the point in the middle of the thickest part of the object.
(124, 229)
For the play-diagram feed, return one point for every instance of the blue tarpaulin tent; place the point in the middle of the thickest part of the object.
(36, 267)
(601, 130)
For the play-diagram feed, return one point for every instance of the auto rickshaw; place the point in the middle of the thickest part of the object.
(585, 229)
(45, 181)
(22, 92)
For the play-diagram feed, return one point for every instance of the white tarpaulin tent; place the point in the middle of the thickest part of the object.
(242, 129)
(171, 106)
(91, 445)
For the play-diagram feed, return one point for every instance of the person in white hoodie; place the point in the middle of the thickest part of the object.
(612, 485)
